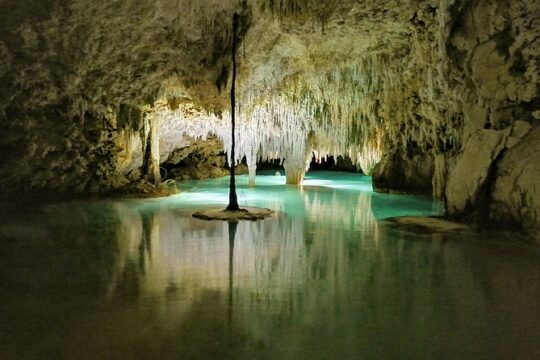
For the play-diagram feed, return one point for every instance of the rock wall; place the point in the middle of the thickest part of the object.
(404, 173)
(79, 80)
(85, 84)
(201, 159)
(494, 53)
(484, 82)
(515, 191)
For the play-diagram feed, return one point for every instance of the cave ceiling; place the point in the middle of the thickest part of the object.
(81, 79)
(138, 51)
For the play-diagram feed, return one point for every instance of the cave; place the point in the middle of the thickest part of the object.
(395, 145)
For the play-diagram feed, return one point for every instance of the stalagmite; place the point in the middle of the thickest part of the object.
(252, 172)
(293, 174)
(150, 168)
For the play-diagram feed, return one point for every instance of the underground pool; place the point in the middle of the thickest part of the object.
(327, 277)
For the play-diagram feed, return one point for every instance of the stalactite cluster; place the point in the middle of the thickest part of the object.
(88, 85)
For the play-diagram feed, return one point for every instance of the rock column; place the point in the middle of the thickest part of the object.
(295, 169)
(150, 168)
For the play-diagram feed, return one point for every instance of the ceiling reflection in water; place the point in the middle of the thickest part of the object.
(324, 279)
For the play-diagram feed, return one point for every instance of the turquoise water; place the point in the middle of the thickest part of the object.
(326, 278)
(325, 196)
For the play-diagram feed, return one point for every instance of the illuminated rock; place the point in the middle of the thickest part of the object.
(78, 100)
(516, 194)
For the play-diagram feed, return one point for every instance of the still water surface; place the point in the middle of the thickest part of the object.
(325, 279)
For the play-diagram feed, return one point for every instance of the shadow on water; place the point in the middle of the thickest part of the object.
(143, 280)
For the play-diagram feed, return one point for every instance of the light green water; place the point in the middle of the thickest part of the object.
(326, 279)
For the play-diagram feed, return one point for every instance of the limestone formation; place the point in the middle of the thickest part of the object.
(469, 172)
(516, 192)
(199, 160)
(405, 173)
(97, 95)
(247, 213)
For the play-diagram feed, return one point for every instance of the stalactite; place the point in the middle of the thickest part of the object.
(360, 109)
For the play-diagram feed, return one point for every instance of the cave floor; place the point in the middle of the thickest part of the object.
(326, 278)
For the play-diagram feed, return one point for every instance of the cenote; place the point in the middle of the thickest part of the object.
(269, 179)
(325, 278)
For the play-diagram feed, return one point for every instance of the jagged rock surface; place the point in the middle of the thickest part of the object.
(404, 173)
(85, 84)
(78, 78)
(198, 160)
(469, 172)
(516, 192)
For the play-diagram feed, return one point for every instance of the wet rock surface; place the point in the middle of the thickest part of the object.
(429, 225)
(246, 213)
(87, 89)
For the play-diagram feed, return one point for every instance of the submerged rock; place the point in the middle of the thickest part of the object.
(428, 225)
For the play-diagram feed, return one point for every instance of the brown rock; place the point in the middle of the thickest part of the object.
(516, 195)
(470, 169)
(404, 174)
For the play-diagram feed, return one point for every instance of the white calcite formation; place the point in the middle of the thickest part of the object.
(275, 130)
(94, 95)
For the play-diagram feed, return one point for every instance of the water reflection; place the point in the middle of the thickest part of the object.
(232, 234)
(323, 280)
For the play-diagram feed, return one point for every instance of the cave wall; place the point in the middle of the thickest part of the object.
(493, 50)
(79, 81)
(480, 73)
(404, 172)
(84, 84)
(198, 159)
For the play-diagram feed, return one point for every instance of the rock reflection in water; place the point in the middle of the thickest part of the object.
(120, 280)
